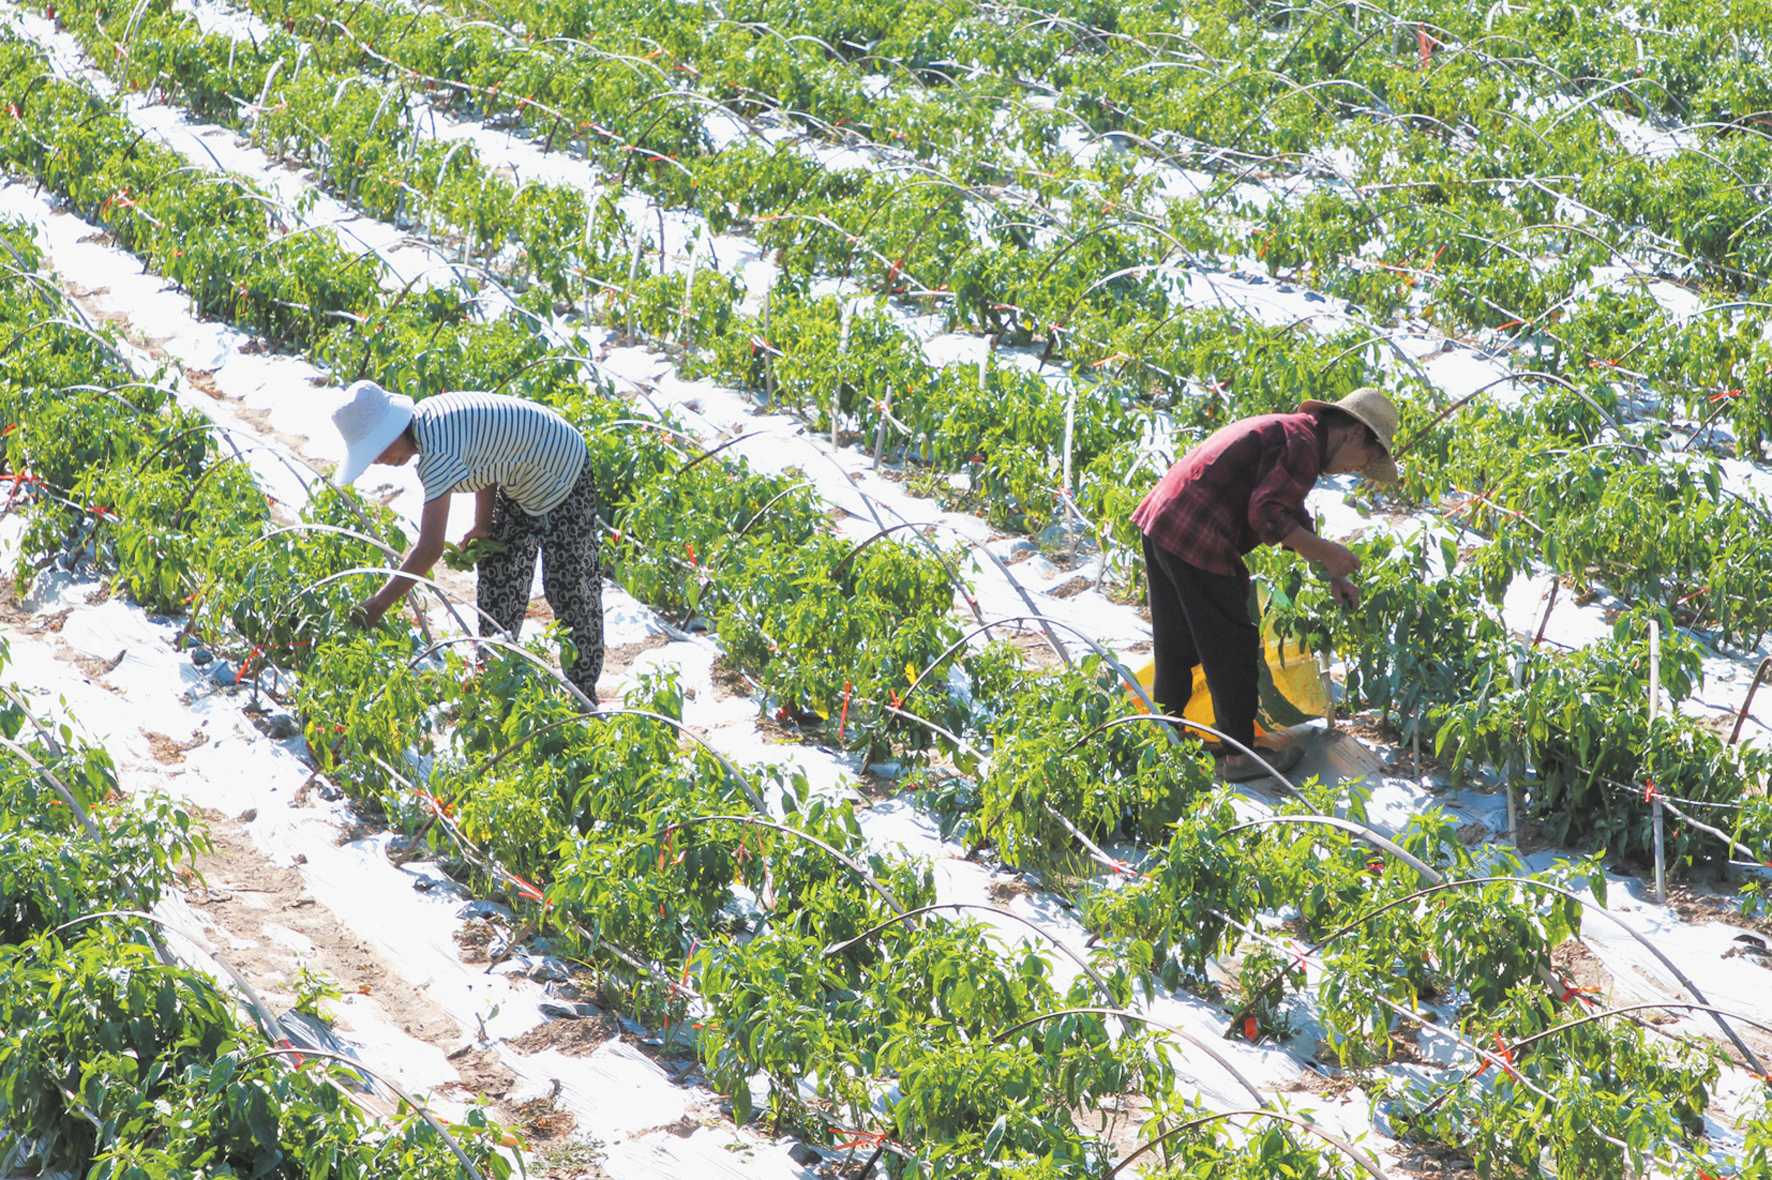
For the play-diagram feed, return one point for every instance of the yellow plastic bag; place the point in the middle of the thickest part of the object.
(1290, 688)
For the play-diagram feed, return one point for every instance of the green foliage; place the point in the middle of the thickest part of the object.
(117, 1065)
(1183, 906)
(1055, 748)
(1458, 180)
(52, 871)
(1426, 632)
(365, 708)
(1581, 719)
(1572, 1094)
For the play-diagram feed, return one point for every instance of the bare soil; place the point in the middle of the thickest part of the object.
(254, 901)
(1694, 903)
(575, 1038)
(1035, 651)
(1071, 588)
(170, 751)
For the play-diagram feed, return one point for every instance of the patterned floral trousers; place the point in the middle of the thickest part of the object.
(571, 572)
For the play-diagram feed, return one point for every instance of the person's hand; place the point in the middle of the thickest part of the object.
(476, 533)
(367, 614)
(1338, 560)
(1343, 590)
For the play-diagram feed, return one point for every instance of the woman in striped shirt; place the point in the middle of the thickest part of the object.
(533, 489)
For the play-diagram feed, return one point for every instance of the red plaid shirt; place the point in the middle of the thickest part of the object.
(1244, 486)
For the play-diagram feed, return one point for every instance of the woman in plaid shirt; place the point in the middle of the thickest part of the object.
(1245, 486)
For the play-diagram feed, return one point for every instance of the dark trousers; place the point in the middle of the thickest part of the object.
(1200, 618)
(571, 572)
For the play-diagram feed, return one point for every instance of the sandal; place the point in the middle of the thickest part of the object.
(1282, 759)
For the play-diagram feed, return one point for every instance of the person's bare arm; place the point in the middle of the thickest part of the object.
(431, 525)
(483, 501)
(1337, 559)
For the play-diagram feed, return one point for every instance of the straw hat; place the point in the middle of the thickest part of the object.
(370, 419)
(1376, 411)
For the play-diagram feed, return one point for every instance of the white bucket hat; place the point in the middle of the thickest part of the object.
(370, 419)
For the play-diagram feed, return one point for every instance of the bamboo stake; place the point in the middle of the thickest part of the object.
(847, 318)
(880, 434)
(1070, 426)
(1655, 804)
(634, 278)
(769, 350)
(687, 311)
(1550, 604)
(1514, 770)
(1415, 740)
(1328, 689)
(1759, 675)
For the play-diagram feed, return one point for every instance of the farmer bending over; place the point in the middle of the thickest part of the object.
(532, 485)
(1245, 486)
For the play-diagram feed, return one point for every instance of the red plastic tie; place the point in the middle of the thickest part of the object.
(1572, 991)
(1502, 1055)
(247, 663)
(525, 888)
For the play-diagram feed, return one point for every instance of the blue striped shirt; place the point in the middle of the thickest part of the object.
(468, 441)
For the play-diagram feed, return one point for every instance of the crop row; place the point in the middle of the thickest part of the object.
(581, 811)
(654, 895)
(1008, 429)
(1062, 705)
(1536, 478)
(116, 1058)
(1075, 257)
